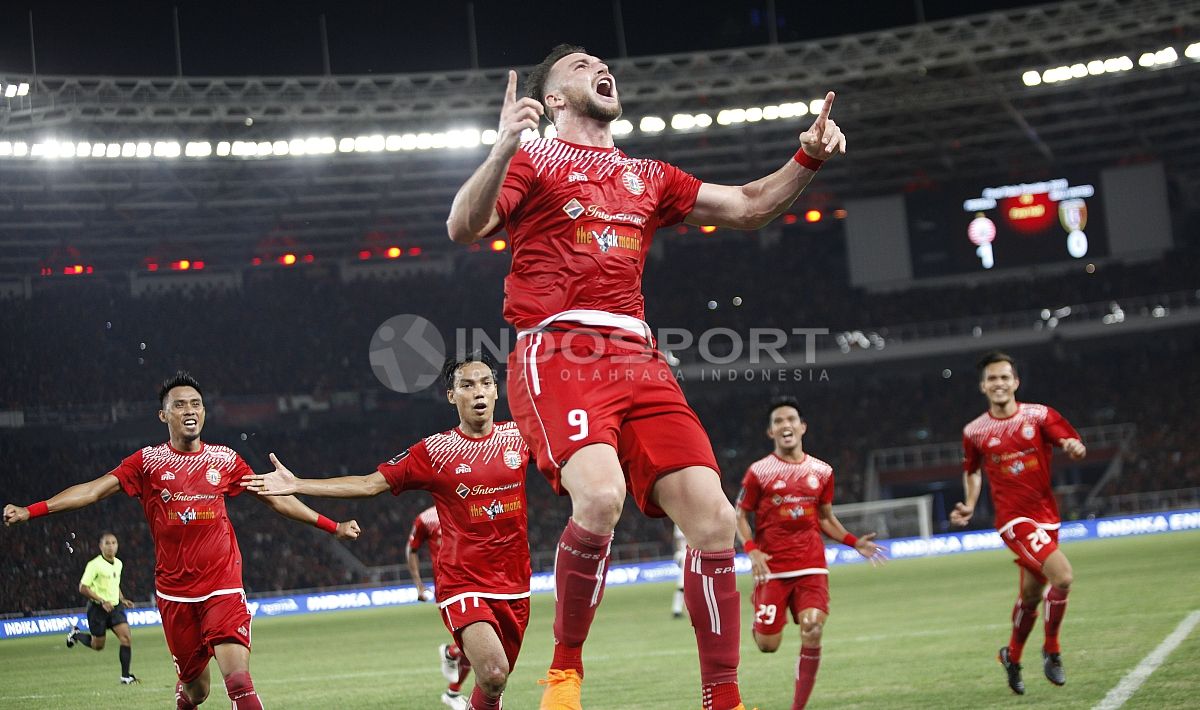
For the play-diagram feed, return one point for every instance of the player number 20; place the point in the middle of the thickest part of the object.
(1038, 539)
(765, 614)
(578, 418)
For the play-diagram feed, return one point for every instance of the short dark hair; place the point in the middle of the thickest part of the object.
(452, 364)
(785, 402)
(535, 83)
(107, 533)
(182, 378)
(992, 358)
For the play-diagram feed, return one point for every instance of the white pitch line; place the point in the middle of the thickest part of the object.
(1134, 679)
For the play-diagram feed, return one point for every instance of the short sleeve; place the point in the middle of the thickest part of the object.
(518, 182)
(408, 470)
(748, 497)
(1056, 428)
(678, 195)
(826, 497)
(89, 574)
(970, 455)
(419, 534)
(241, 469)
(129, 474)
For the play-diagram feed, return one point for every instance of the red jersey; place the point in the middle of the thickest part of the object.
(784, 497)
(478, 488)
(426, 528)
(1015, 455)
(196, 554)
(580, 220)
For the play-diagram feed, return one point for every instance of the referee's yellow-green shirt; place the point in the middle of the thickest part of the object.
(104, 578)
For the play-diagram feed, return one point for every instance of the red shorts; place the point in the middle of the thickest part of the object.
(569, 389)
(1031, 542)
(508, 617)
(194, 628)
(774, 597)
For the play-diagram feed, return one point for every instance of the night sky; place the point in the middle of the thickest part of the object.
(265, 37)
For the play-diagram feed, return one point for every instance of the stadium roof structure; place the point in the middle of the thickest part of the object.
(228, 169)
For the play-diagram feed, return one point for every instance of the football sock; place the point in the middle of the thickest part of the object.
(182, 702)
(1023, 619)
(241, 691)
(710, 592)
(806, 675)
(125, 654)
(579, 569)
(464, 669)
(1056, 609)
(480, 700)
(85, 639)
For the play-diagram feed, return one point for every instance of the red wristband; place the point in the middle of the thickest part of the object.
(807, 161)
(38, 509)
(326, 524)
(749, 546)
(849, 540)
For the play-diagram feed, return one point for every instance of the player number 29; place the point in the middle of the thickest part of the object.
(1038, 539)
(765, 614)
(578, 418)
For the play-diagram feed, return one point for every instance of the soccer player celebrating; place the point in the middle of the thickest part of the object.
(476, 473)
(589, 389)
(101, 584)
(198, 566)
(427, 529)
(1011, 442)
(790, 495)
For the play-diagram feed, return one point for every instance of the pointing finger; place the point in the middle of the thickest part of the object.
(510, 93)
(826, 106)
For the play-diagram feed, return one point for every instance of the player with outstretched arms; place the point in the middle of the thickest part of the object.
(1012, 444)
(182, 485)
(476, 474)
(790, 494)
(587, 385)
(427, 531)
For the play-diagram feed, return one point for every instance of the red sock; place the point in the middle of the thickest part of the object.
(1056, 609)
(806, 675)
(480, 701)
(464, 669)
(579, 568)
(453, 651)
(710, 592)
(1023, 619)
(182, 701)
(241, 691)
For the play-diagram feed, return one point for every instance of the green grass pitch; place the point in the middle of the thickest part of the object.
(914, 634)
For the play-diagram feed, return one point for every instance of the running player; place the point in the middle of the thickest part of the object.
(1011, 442)
(101, 584)
(198, 566)
(587, 386)
(427, 530)
(476, 473)
(790, 495)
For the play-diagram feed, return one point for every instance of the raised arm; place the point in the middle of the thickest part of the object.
(294, 508)
(282, 482)
(964, 509)
(755, 204)
(833, 528)
(473, 213)
(78, 496)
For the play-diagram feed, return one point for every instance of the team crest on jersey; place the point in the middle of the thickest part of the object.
(1028, 431)
(512, 459)
(633, 183)
(462, 490)
(463, 468)
(213, 476)
(993, 442)
(812, 481)
(573, 208)
(167, 476)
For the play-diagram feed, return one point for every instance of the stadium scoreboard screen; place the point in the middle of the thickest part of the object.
(1025, 224)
